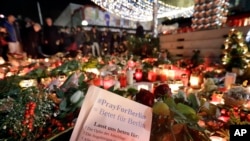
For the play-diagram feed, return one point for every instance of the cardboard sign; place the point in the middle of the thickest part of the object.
(105, 116)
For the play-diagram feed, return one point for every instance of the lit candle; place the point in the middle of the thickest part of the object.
(163, 75)
(217, 99)
(123, 80)
(171, 74)
(138, 75)
(194, 81)
(230, 79)
(130, 77)
(2, 74)
(108, 81)
(152, 76)
(175, 86)
(97, 81)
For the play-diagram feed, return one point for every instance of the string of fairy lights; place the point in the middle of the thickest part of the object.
(141, 10)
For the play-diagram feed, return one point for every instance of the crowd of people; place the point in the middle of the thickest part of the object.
(19, 37)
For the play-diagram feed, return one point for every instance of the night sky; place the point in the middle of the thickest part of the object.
(28, 8)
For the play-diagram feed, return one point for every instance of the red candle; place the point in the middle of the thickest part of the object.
(97, 81)
(123, 80)
(108, 82)
(138, 75)
(152, 76)
(163, 78)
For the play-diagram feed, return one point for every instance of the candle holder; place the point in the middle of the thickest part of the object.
(195, 81)
(123, 80)
(108, 81)
(138, 75)
(97, 81)
(152, 76)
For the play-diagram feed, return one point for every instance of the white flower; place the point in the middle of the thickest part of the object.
(4, 127)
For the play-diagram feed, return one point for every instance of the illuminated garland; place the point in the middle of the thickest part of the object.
(142, 10)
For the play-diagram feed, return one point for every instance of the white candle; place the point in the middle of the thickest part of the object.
(130, 76)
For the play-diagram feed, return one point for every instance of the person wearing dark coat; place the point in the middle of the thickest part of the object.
(3, 43)
(34, 41)
(139, 31)
(51, 38)
(95, 40)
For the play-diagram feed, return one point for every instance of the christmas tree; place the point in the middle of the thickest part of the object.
(235, 51)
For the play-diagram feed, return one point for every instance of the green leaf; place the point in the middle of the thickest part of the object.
(63, 105)
(188, 111)
(193, 101)
(81, 79)
(170, 102)
(120, 92)
(67, 81)
(185, 109)
(59, 92)
(132, 91)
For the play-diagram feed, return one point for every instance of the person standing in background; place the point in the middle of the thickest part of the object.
(14, 37)
(51, 38)
(3, 43)
(115, 41)
(95, 39)
(34, 41)
(66, 36)
(139, 30)
(79, 37)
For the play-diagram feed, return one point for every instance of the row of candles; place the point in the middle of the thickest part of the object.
(177, 78)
